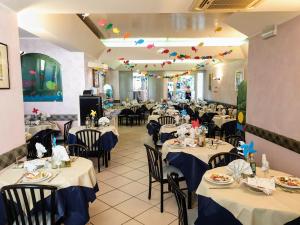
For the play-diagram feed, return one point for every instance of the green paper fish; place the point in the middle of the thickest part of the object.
(109, 26)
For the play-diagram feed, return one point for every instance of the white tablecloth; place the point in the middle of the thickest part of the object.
(43, 126)
(168, 128)
(153, 117)
(220, 120)
(103, 130)
(254, 208)
(202, 153)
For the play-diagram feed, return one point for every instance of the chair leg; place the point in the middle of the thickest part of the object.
(99, 164)
(106, 159)
(150, 187)
(190, 195)
(109, 156)
(161, 197)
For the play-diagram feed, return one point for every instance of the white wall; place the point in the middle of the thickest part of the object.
(11, 101)
(73, 70)
(223, 90)
(112, 78)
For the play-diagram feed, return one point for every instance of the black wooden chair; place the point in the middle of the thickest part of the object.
(166, 120)
(44, 138)
(180, 198)
(223, 159)
(229, 128)
(159, 173)
(91, 140)
(234, 140)
(135, 116)
(67, 127)
(29, 204)
(77, 150)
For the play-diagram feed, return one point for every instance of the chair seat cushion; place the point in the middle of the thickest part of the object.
(171, 169)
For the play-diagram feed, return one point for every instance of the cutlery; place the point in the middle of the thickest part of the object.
(52, 178)
(20, 179)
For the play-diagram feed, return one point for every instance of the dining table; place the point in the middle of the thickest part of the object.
(193, 161)
(41, 126)
(239, 204)
(219, 120)
(108, 139)
(75, 184)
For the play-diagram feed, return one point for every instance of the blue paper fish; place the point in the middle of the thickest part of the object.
(173, 54)
(183, 112)
(140, 41)
(248, 149)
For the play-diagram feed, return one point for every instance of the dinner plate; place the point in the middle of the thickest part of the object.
(37, 180)
(228, 179)
(287, 179)
(253, 187)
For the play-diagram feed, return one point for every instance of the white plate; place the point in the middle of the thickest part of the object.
(209, 179)
(252, 187)
(27, 180)
(278, 182)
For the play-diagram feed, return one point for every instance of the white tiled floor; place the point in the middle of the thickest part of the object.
(123, 195)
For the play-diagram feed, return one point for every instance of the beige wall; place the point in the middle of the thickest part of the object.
(11, 101)
(223, 90)
(273, 100)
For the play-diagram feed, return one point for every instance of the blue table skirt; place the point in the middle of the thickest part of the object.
(72, 205)
(108, 140)
(166, 136)
(192, 168)
(211, 213)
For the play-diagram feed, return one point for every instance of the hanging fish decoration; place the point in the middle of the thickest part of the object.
(165, 51)
(173, 54)
(121, 58)
(201, 44)
(102, 22)
(196, 57)
(146, 66)
(218, 29)
(139, 42)
(126, 35)
(108, 50)
(194, 49)
(150, 46)
(116, 30)
(169, 62)
(109, 26)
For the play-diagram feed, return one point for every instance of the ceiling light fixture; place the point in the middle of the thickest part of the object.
(173, 42)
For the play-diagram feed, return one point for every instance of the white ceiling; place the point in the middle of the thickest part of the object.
(130, 6)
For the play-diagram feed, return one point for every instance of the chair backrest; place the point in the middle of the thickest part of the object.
(180, 198)
(47, 142)
(29, 204)
(154, 163)
(89, 138)
(134, 108)
(67, 127)
(77, 150)
(234, 140)
(45, 138)
(229, 128)
(222, 159)
(166, 120)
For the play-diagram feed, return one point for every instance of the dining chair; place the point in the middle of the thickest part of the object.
(29, 204)
(180, 198)
(158, 172)
(91, 140)
(166, 120)
(77, 150)
(67, 127)
(234, 140)
(134, 116)
(223, 159)
(229, 128)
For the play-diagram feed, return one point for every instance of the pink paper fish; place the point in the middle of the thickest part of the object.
(150, 46)
(102, 22)
(194, 49)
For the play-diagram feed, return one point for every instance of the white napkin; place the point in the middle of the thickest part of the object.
(187, 118)
(181, 131)
(33, 165)
(40, 150)
(234, 112)
(60, 153)
(189, 142)
(264, 184)
(103, 120)
(224, 112)
(239, 166)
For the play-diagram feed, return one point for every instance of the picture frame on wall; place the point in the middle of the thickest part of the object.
(239, 77)
(4, 67)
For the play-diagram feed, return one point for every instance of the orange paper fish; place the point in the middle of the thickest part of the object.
(126, 35)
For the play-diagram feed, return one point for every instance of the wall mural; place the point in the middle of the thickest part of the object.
(41, 77)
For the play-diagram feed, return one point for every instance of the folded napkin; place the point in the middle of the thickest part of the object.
(103, 121)
(238, 167)
(33, 165)
(60, 153)
(264, 184)
(189, 142)
(40, 150)
(224, 112)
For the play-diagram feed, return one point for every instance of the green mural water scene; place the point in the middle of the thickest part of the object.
(41, 77)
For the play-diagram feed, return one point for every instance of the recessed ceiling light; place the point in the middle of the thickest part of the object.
(173, 42)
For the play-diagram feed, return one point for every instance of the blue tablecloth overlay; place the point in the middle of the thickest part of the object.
(71, 205)
(191, 167)
(107, 141)
(210, 212)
